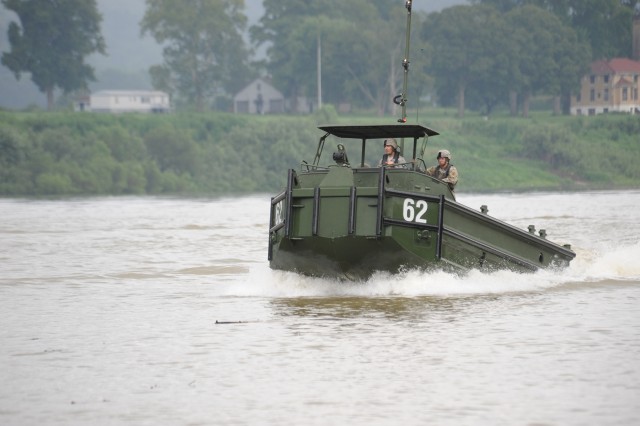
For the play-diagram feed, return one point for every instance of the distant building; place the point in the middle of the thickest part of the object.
(117, 101)
(612, 86)
(258, 97)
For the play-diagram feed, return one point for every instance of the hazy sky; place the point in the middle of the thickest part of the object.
(127, 50)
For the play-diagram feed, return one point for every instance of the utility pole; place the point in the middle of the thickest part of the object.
(319, 63)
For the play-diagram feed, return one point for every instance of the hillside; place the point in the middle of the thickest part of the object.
(91, 154)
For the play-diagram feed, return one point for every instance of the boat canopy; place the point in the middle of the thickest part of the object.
(381, 131)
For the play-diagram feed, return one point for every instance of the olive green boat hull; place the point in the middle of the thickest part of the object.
(350, 222)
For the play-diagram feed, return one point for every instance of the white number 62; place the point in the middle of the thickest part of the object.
(410, 207)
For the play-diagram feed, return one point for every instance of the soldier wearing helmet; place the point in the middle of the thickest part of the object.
(391, 157)
(444, 171)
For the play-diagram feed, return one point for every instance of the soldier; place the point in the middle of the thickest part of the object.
(444, 171)
(391, 155)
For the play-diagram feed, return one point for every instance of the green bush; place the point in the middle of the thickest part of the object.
(53, 184)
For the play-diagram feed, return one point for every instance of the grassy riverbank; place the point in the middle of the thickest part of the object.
(94, 154)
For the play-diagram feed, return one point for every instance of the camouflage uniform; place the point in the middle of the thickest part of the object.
(448, 174)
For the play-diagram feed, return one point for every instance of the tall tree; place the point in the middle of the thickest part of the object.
(361, 48)
(52, 41)
(204, 53)
(500, 5)
(484, 55)
(496, 67)
(605, 24)
(550, 59)
(458, 38)
(366, 55)
(291, 42)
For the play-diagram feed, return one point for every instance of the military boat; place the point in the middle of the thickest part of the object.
(348, 220)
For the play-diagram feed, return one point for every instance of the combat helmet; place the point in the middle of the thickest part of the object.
(392, 143)
(444, 153)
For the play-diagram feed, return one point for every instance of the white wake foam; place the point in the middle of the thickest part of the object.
(617, 263)
(611, 261)
(267, 283)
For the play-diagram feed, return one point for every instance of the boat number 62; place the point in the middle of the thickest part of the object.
(414, 211)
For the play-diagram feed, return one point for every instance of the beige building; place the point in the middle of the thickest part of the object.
(258, 97)
(612, 86)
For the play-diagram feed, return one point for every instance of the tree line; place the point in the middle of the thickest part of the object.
(63, 153)
(67, 154)
(479, 56)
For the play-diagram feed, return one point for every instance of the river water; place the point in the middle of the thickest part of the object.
(163, 311)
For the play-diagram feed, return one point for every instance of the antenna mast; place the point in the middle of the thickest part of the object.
(401, 99)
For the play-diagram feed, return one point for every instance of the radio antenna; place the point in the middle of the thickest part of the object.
(401, 99)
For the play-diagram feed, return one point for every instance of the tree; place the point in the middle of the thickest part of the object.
(483, 55)
(366, 56)
(284, 28)
(52, 41)
(204, 53)
(361, 58)
(501, 5)
(458, 38)
(605, 24)
(550, 60)
(496, 66)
